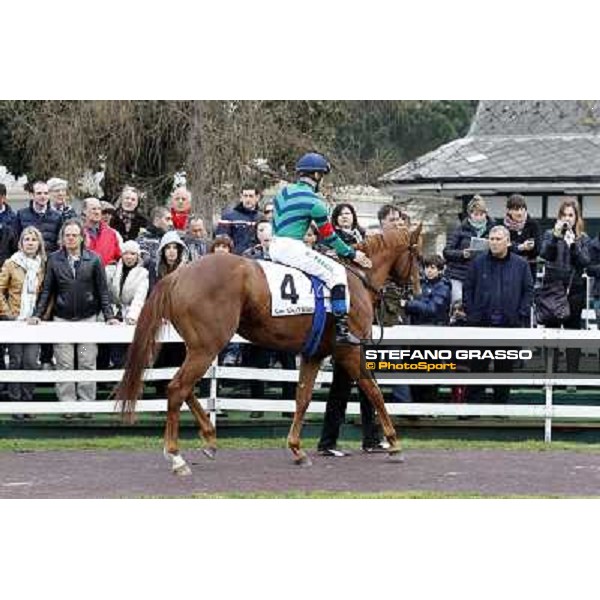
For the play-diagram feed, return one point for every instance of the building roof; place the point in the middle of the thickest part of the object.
(516, 140)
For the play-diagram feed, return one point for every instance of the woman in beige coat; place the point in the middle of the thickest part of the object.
(21, 280)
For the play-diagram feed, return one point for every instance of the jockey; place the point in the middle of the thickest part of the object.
(295, 207)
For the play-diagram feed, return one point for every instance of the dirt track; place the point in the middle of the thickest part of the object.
(114, 474)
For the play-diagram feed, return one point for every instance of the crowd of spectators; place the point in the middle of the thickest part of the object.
(101, 265)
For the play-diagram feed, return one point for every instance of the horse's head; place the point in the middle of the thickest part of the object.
(405, 270)
(396, 254)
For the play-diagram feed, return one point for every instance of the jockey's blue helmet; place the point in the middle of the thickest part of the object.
(313, 162)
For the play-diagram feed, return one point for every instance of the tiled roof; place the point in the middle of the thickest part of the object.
(557, 140)
(536, 117)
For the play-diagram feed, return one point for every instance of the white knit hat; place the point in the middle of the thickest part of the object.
(130, 246)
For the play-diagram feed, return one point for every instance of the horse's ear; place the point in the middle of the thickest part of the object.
(415, 234)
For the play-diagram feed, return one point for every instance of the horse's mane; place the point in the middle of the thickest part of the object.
(394, 238)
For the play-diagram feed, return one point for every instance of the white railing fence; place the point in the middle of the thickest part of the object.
(13, 332)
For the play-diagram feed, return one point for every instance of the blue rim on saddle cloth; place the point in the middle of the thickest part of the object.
(318, 322)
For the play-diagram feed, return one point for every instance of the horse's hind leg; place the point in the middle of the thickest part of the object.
(179, 390)
(349, 359)
(308, 374)
(207, 429)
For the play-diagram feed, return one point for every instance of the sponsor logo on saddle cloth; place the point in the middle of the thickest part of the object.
(291, 290)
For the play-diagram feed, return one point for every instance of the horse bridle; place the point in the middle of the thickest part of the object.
(364, 279)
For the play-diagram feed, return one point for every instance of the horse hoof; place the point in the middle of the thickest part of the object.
(182, 471)
(303, 461)
(396, 457)
(210, 452)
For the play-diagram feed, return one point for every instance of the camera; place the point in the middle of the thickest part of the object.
(565, 228)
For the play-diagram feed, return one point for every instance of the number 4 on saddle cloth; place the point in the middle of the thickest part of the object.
(293, 292)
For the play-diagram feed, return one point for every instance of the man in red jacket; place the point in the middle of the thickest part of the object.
(99, 237)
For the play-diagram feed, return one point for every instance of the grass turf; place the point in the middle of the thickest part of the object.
(154, 442)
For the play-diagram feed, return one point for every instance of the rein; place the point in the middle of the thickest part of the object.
(364, 279)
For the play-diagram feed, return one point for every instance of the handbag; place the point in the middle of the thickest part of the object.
(552, 302)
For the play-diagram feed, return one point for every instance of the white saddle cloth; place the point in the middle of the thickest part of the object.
(291, 290)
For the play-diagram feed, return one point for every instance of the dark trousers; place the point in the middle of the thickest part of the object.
(22, 356)
(46, 354)
(118, 352)
(335, 412)
(103, 358)
(2, 367)
(576, 305)
(288, 361)
(424, 393)
(257, 357)
(501, 392)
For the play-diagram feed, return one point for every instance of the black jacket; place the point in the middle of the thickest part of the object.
(8, 242)
(138, 222)
(432, 306)
(8, 216)
(77, 297)
(564, 261)
(459, 240)
(48, 223)
(530, 231)
(594, 268)
(239, 224)
(67, 213)
(498, 292)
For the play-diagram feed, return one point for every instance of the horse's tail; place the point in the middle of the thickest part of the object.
(141, 351)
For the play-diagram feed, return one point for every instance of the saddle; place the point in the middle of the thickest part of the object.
(293, 292)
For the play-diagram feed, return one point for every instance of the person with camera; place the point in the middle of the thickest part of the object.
(566, 249)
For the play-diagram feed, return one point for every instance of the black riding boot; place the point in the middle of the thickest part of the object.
(343, 335)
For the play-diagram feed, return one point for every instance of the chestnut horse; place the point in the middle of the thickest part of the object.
(209, 300)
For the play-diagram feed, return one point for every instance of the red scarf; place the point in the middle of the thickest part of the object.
(180, 219)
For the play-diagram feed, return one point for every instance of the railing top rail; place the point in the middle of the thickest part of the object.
(12, 332)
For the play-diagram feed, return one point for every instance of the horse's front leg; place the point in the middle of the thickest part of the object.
(371, 389)
(308, 374)
(207, 430)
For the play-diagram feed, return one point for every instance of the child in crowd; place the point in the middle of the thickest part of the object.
(432, 306)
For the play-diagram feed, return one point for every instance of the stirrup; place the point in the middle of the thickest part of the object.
(343, 335)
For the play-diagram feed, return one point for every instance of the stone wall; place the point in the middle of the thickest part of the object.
(438, 214)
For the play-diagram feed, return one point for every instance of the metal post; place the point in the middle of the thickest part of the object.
(587, 300)
(212, 399)
(548, 389)
(548, 419)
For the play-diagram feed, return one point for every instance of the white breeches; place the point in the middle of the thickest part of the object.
(296, 253)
